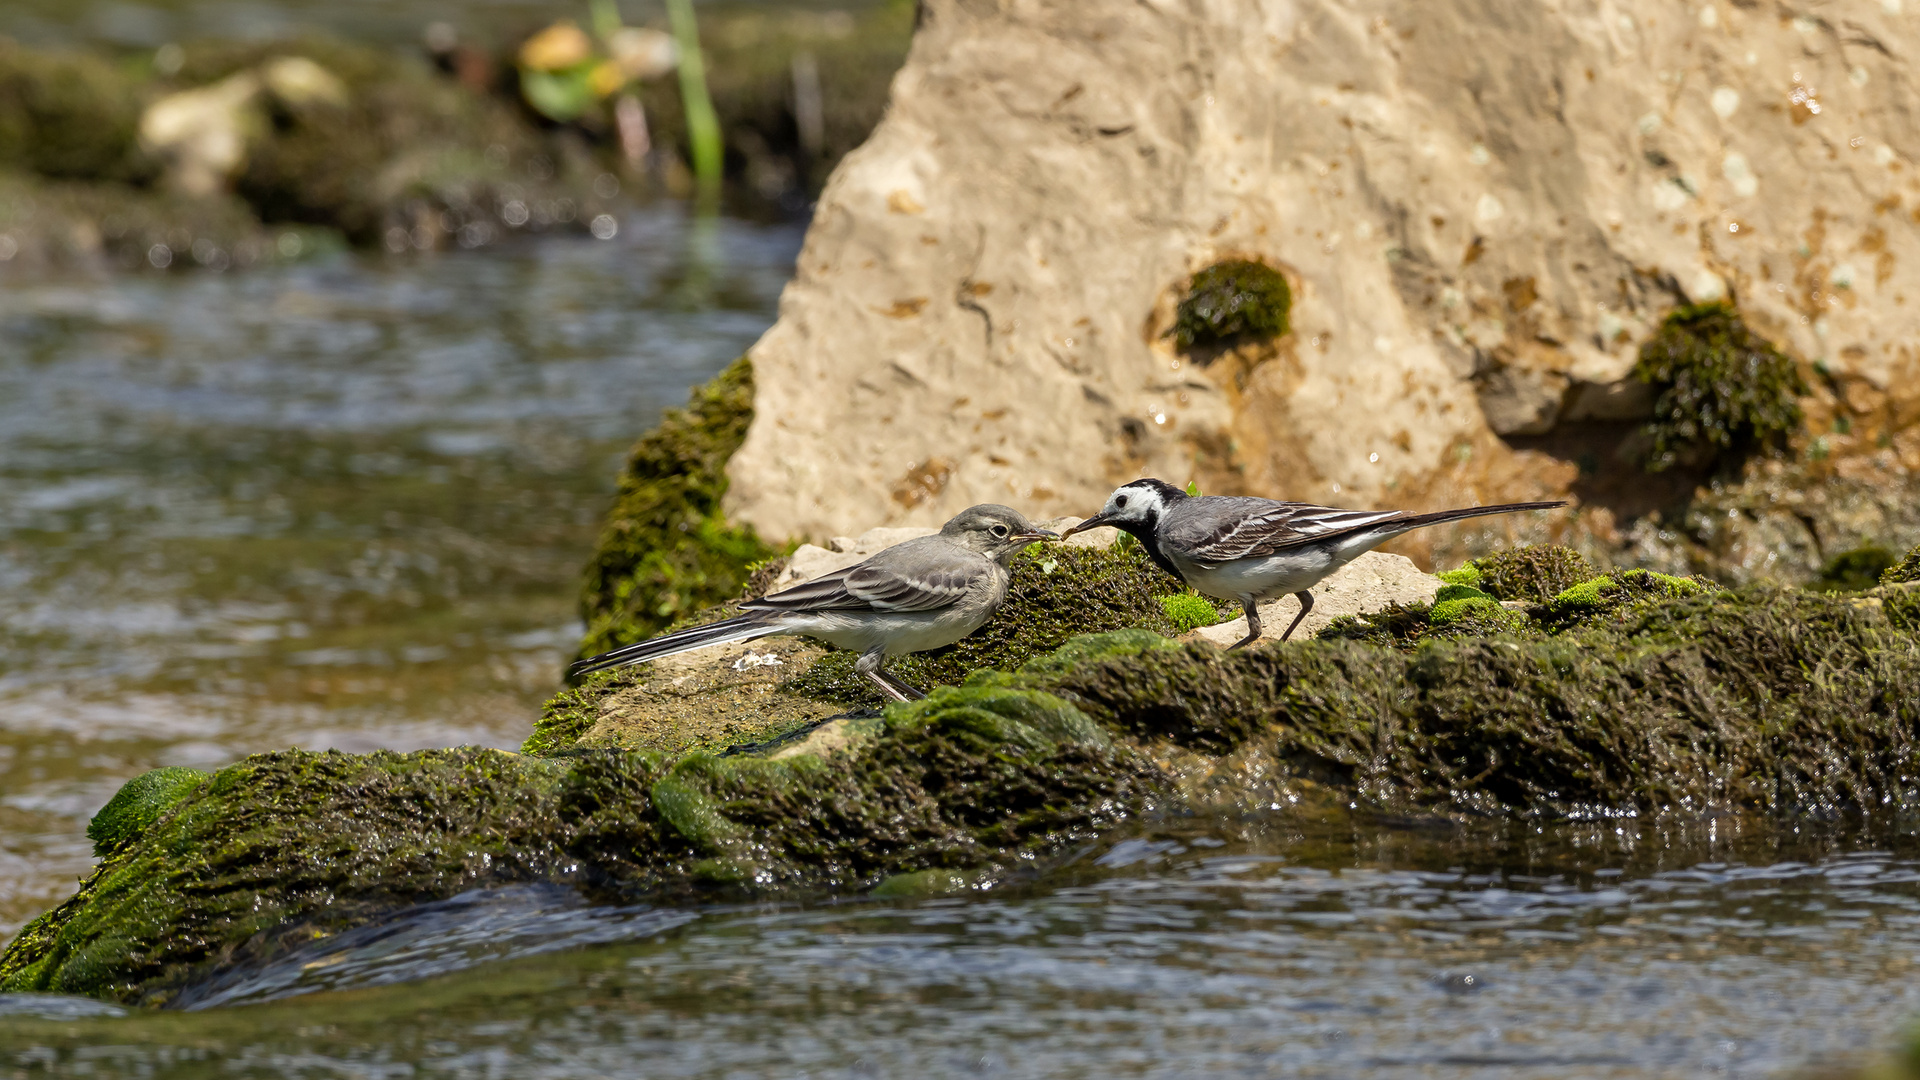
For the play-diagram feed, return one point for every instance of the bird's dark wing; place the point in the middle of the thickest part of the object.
(1222, 528)
(912, 576)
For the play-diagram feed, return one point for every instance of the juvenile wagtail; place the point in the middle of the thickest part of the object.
(914, 596)
(1237, 547)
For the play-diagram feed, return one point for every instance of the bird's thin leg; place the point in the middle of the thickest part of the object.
(869, 665)
(1252, 608)
(1306, 605)
(902, 685)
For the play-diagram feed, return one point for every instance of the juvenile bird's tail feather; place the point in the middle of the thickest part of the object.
(725, 632)
(1421, 521)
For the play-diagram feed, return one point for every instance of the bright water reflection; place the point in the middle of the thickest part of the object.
(338, 505)
(1264, 949)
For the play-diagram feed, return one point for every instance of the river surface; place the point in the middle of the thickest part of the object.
(1253, 948)
(337, 504)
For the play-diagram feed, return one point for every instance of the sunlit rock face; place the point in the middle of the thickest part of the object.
(1482, 212)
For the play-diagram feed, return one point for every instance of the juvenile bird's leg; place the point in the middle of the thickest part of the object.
(902, 685)
(869, 665)
(1251, 607)
(1306, 605)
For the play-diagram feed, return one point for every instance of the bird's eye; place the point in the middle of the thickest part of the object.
(1119, 500)
(1000, 531)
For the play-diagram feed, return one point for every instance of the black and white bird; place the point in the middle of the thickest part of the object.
(1237, 547)
(917, 595)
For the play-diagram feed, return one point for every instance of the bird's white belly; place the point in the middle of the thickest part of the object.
(1268, 576)
(900, 632)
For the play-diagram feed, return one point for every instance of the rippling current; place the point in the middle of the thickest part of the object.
(1260, 948)
(340, 504)
(345, 504)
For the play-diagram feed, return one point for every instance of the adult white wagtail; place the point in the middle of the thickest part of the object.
(914, 596)
(1237, 547)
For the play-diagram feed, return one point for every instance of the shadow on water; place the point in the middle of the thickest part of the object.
(1262, 947)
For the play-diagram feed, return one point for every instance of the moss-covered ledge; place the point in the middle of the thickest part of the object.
(1652, 695)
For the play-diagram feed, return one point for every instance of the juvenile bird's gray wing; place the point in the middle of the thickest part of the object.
(1221, 528)
(914, 576)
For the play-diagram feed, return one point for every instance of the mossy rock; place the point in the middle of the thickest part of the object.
(1230, 301)
(1908, 569)
(138, 804)
(284, 848)
(1602, 595)
(69, 115)
(1685, 699)
(1722, 390)
(667, 550)
(1856, 570)
(1536, 574)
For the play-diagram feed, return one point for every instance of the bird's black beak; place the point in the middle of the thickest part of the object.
(1093, 522)
(1035, 533)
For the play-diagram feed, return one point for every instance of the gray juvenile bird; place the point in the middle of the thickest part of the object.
(914, 596)
(1241, 548)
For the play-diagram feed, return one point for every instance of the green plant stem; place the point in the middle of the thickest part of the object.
(703, 124)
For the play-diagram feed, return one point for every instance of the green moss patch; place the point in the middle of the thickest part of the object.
(1722, 390)
(1231, 301)
(1189, 611)
(138, 804)
(1535, 574)
(667, 551)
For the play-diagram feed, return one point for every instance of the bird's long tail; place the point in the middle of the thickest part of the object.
(725, 632)
(1421, 521)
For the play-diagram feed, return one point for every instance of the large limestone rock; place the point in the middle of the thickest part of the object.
(1483, 210)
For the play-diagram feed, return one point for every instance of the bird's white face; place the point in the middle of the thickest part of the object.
(1133, 507)
(1134, 504)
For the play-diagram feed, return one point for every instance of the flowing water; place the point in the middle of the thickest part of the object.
(340, 504)
(1257, 948)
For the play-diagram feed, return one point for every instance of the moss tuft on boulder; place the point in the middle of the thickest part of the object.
(1856, 569)
(1230, 301)
(138, 804)
(667, 550)
(1722, 390)
(1908, 569)
(1536, 574)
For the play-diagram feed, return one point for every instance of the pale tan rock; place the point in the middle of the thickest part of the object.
(202, 134)
(1367, 584)
(727, 694)
(1483, 208)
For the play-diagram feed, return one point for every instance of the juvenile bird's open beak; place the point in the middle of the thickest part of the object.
(1036, 533)
(1093, 522)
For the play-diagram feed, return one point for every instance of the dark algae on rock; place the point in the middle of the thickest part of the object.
(1232, 300)
(1723, 391)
